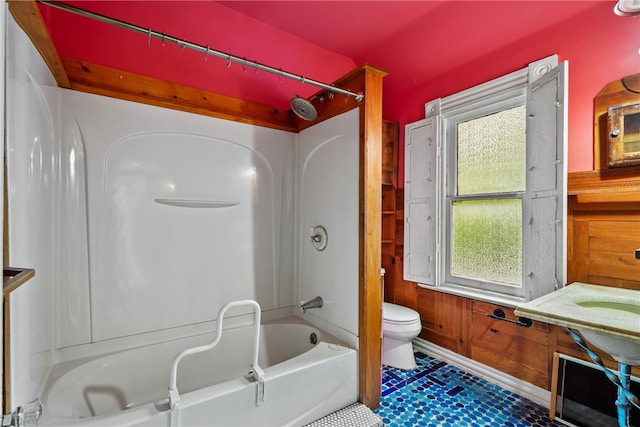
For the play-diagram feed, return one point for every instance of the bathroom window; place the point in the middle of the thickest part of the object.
(485, 182)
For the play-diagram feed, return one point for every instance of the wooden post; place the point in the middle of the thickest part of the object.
(370, 323)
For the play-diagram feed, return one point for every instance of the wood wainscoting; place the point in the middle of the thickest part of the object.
(603, 228)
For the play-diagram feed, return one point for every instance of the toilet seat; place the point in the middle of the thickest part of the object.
(398, 315)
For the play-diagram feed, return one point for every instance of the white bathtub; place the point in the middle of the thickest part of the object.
(303, 381)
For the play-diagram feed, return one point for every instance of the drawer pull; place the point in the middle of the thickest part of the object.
(499, 315)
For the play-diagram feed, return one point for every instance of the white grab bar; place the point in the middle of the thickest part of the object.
(254, 370)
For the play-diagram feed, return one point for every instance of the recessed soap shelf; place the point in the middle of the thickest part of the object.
(207, 204)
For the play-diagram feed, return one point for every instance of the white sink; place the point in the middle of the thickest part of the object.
(609, 318)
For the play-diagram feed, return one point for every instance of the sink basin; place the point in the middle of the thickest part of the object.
(609, 318)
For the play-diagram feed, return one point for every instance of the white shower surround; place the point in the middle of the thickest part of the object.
(84, 173)
(155, 266)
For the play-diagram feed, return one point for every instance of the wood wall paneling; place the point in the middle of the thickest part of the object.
(405, 292)
(446, 320)
(605, 228)
(516, 350)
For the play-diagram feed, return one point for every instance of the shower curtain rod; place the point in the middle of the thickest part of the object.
(204, 49)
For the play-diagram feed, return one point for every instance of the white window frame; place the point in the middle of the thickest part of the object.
(542, 86)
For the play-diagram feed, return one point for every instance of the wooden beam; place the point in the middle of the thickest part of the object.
(370, 323)
(28, 17)
(100, 80)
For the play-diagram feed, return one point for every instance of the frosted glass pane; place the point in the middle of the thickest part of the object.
(492, 153)
(487, 240)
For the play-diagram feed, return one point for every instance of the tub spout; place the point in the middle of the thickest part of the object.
(314, 303)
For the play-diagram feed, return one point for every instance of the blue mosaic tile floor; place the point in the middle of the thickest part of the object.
(440, 395)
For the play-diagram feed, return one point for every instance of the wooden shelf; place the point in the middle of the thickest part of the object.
(390, 137)
(604, 181)
(13, 277)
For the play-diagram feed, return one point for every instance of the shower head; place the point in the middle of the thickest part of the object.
(304, 109)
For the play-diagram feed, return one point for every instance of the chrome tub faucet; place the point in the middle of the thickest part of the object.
(314, 303)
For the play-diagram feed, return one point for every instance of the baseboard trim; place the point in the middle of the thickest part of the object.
(527, 390)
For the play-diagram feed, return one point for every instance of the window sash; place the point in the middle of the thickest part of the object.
(479, 107)
(471, 282)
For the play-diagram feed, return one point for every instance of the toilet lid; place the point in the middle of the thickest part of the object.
(394, 313)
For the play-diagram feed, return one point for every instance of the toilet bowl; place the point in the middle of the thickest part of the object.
(400, 325)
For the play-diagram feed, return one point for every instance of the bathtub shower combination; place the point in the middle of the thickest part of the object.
(306, 373)
(142, 224)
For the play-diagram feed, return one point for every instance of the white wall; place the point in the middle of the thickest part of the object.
(327, 194)
(155, 266)
(31, 117)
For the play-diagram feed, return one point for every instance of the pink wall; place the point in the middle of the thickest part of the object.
(599, 46)
(203, 23)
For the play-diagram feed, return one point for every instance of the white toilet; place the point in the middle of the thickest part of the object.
(400, 325)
